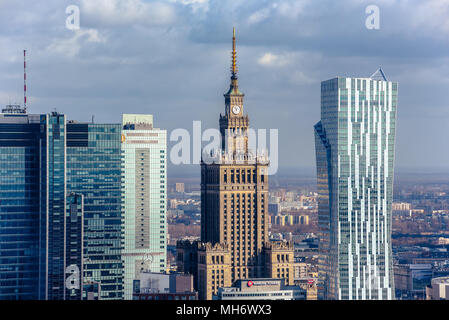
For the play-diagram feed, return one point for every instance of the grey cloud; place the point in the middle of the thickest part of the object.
(176, 64)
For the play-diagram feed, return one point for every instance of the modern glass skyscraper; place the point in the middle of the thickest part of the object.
(19, 205)
(355, 154)
(35, 239)
(60, 206)
(93, 170)
(52, 199)
(144, 198)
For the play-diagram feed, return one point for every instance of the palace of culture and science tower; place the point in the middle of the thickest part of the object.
(234, 211)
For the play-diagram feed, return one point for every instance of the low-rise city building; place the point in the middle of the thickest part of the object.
(310, 285)
(289, 220)
(164, 286)
(180, 187)
(438, 289)
(261, 289)
(411, 280)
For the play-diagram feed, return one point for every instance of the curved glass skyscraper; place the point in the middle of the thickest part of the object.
(355, 154)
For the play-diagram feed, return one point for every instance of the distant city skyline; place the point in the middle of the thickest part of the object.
(326, 176)
(170, 59)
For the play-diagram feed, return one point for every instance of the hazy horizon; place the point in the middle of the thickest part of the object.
(191, 171)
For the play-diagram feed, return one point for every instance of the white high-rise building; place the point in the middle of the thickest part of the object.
(355, 142)
(144, 182)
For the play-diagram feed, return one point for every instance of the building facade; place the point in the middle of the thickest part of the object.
(279, 261)
(53, 245)
(355, 154)
(187, 259)
(164, 286)
(74, 234)
(20, 140)
(438, 289)
(214, 269)
(261, 289)
(179, 187)
(310, 286)
(234, 190)
(60, 209)
(40, 231)
(234, 205)
(411, 280)
(34, 247)
(94, 170)
(144, 182)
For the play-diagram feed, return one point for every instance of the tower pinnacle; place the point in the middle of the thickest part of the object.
(233, 56)
(234, 88)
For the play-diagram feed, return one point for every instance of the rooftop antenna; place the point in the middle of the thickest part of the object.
(17, 108)
(24, 81)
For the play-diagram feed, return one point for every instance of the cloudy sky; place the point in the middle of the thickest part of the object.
(171, 58)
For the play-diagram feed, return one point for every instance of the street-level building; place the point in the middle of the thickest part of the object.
(438, 289)
(261, 289)
(164, 286)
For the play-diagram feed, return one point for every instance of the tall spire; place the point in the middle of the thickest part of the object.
(234, 87)
(233, 56)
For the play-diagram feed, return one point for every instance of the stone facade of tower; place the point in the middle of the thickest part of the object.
(279, 259)
(214, 262)
(234, 191)
(234, 204)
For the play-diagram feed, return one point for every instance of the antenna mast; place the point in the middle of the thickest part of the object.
(24, 81)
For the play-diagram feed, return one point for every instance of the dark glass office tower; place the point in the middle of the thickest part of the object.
(53, 196)
(93, 170)
(74, 221)
(60, 207)
(33, 245)
(19, 204)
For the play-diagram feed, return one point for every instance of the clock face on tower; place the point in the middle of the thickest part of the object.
(236, 109)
